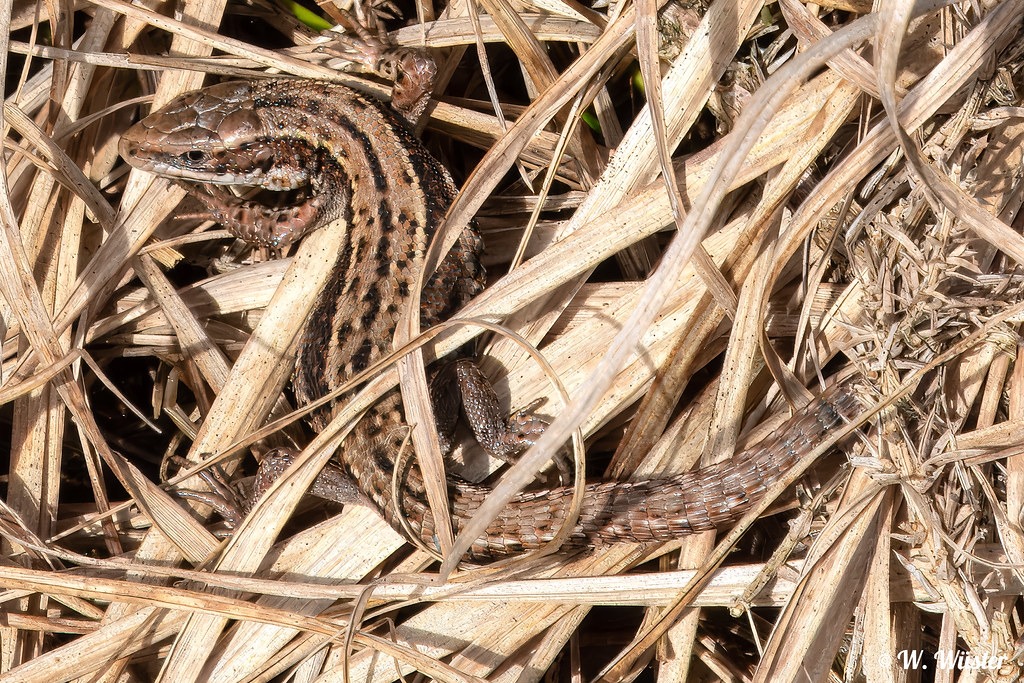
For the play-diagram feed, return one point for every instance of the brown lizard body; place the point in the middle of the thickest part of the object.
(356, 158)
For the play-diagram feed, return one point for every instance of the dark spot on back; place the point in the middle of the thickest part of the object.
(361, 358)
(380, 456)
(372, 160)
(383, 244)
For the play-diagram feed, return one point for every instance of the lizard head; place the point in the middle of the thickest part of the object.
(214, 135)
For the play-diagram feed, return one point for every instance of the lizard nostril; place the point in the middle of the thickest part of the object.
(193, 155)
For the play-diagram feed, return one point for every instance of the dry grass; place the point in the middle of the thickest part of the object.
(831, 214)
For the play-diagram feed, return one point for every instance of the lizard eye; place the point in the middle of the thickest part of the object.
(193, 155)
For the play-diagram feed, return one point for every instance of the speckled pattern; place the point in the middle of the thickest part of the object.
(613, 512)
(356, 159)
(353, 156)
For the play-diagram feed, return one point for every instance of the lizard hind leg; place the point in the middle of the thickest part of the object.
(461, 383)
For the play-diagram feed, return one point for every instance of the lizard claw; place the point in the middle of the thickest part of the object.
(525, 426)
(222, 496)
(411, 70)
(374, 12)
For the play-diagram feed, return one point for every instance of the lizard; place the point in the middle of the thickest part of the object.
(357, 158)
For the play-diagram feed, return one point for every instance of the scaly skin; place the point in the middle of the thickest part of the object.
(356, 158)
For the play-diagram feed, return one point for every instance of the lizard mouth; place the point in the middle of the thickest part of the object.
(171, 166)
(256, 193)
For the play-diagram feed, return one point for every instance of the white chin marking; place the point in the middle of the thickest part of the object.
(170, 171)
